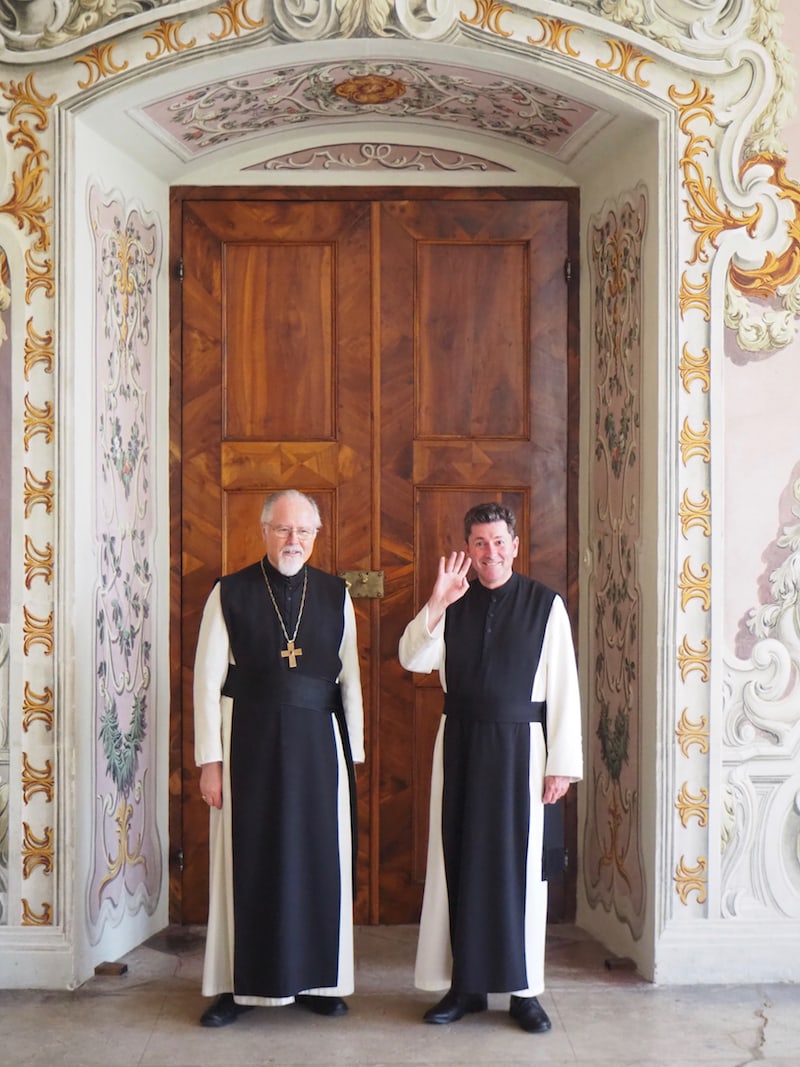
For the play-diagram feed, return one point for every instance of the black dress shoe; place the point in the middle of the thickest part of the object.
(321, 1005)
(223, 1011)
(453, 1006)
(529, 1014)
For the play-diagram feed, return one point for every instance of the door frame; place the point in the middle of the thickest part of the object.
(565, 911)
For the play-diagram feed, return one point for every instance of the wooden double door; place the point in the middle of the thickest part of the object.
(399, 355)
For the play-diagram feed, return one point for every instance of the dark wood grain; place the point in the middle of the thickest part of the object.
(400, 355)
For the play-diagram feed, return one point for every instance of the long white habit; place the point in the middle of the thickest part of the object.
(555, 682)
(212, 718)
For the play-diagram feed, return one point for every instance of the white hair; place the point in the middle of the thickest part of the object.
(292, 494)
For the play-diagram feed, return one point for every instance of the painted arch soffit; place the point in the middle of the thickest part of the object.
(719, 63)
(231, 111)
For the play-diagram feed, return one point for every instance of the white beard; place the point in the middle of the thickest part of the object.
(290, 563)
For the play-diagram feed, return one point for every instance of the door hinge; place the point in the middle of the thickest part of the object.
(567, 271)
(176, 857)
(180, 269)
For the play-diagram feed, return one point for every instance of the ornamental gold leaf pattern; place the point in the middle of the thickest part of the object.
(556, 35)
(695, 442)
(697, 103)
(706, 215)
(37, 707)
(623, 57)
(100, 63)
(691, 879)
(167, 39)
(37, 420)
(36, 780)
(695, 586)
(694, 659)
(695, 512)
(27, 205)
(39, 275)
(695, 296)
(38, 349)
(692, 733)
(696, 368)
(487, 16)
(692, 807)
(36, 631)
(775, 271)
(126, 856)
(37, 491)
(33, 918)
(234, 20)
(36, 851)
(26, 100)
(38, 562)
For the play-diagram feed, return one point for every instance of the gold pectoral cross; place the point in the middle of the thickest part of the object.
(291, 653)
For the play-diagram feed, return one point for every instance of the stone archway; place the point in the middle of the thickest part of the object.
(676, 91)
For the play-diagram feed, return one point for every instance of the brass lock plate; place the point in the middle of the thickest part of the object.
(363, 583)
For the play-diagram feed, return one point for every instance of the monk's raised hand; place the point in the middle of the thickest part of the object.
(451, 582)
(450, 585)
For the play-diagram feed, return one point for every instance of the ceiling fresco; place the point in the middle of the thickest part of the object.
(306, 97)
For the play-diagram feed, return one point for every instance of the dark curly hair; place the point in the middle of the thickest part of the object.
(489, 512)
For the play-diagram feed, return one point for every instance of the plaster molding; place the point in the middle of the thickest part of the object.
(4, 780)
(372, 156)
(27, 198)
(761, 751)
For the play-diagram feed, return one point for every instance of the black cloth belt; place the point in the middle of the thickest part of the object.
(302, 690)
(490, 709)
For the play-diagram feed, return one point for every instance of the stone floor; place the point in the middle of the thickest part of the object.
(602, 1014)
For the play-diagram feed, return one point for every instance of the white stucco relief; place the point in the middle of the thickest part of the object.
(376, 157)
(3, 773)
(761, 752)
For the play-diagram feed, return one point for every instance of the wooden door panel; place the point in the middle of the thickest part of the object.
(471, 372)
(470, 356)
(276, 342)
(279, 325)
(400, 358)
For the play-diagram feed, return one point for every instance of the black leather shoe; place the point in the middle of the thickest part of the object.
(321, 1005)
(223, 1011)
(453, 1006)
(529, 1014)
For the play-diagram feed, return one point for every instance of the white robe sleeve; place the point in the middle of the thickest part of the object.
(350, 683)
(556, 682)
(421, 650)
(211, 662)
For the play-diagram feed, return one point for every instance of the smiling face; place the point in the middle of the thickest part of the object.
(289, 534)
(492, 549)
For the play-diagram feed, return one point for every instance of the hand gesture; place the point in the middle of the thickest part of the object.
(450, 585)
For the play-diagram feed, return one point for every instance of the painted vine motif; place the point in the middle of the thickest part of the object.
(126, 256)
(614, 871)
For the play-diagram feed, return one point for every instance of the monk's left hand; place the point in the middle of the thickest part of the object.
(555, 786)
